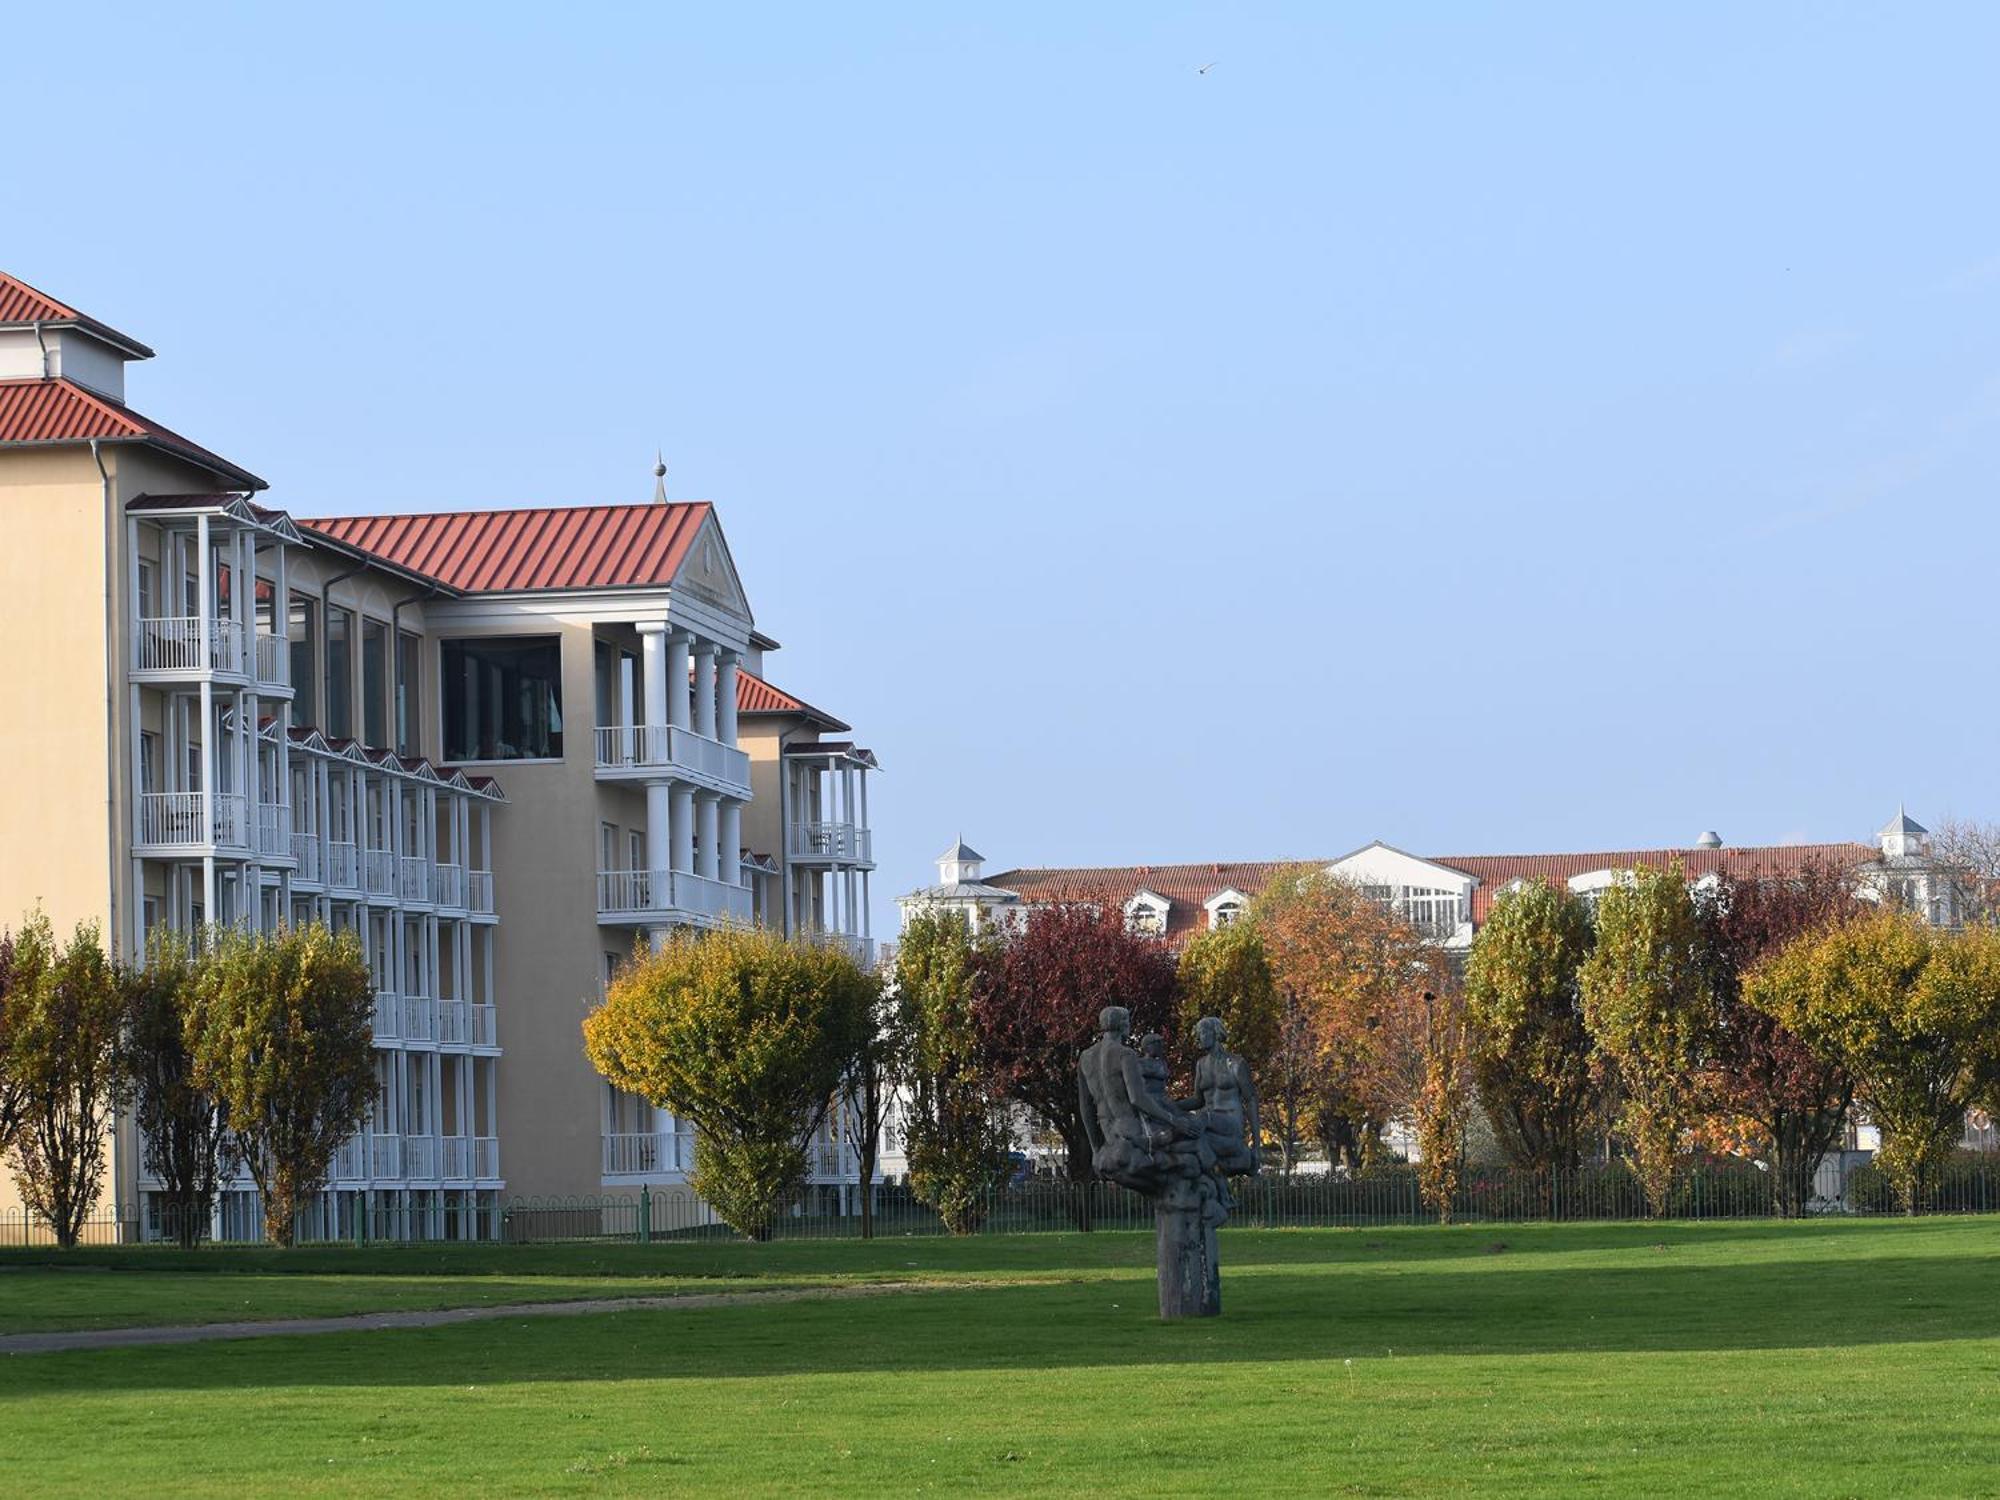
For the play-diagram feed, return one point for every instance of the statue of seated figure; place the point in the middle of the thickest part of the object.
(1224, 1102)
(1133, 1132)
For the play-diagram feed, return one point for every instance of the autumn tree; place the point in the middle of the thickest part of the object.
(1966, 852)
(955, 1139)
(1224, 972)
(870, 1095)
(1037, 994)
(751, 1036)
(1530, 1049)
(1797, 1099)
(183, 1130)
(1648, 1000)
(1358, 972)
(1911, 1013)
(1444, 1101)
(280, 1037)
(63, 1012)
(13, 1002)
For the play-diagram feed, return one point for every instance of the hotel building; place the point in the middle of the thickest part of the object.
(500, 746)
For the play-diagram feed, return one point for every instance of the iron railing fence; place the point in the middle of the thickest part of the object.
(1382, 1196)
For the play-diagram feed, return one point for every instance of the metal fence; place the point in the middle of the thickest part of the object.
(1847, 1184)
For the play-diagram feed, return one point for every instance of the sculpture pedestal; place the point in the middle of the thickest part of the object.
(1184, 1249)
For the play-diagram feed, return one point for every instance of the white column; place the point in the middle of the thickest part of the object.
(675, 689)
(732, 841)
(704, 689)
(683, 825)
(203, 589)
(725, 697)
(659, 839)
(711, 862)
(655, 669)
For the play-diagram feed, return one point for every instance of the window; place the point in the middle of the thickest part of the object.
(339, 672)
(637, 843)
(149, 762)
(148, 592)
(1228, 913)
(607, 846)
(503, 698)
(303, 631)
(1146, 914)
(409, 684)
(374, 683)
(605, 664)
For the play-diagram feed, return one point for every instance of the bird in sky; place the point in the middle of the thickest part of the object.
(1203, 69)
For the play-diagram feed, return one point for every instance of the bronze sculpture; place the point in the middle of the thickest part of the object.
(1178, 1153)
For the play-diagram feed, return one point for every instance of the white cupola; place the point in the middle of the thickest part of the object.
(1903, 837)
(960, 864)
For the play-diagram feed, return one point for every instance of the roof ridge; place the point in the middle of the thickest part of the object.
(505, 510)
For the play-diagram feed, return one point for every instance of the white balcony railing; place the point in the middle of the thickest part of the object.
(454, 1026)
(420, 1156)
(448, 885)
(486, 1156)
(843, 843)
(641, 749)
(479, 892)
(634, 895)
(419, 1018)
(454, 1155)
(173, 644)
(343, 865)
(416, 883)
(273, 659)
(274, 830)
(485, 1032)
(641, 1154)
(351, 1160)
(191, 818)
(863, 949)
(305, 849)
(378, 869)
(388, 1016)
(385, 1156)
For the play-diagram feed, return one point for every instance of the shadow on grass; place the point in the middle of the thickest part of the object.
(1273, 1315)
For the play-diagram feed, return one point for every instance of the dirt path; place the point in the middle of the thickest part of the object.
(437, 1317)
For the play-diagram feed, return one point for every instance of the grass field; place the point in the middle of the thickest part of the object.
(1713, 1359)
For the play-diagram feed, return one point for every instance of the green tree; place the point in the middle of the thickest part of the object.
(183, 1129)
(1529, 1047)
(280, 1034)
(1225, 972)
(64, 1009)
(13, 1001)
(871, 1094)
(1648, 999)
(749, 1035)
(1444, 1102)
(1911, 1013)
(956, 1134)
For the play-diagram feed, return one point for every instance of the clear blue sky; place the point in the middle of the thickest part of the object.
(1486, 428)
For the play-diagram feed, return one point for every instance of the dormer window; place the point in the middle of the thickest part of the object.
(1146, 914)
(1226, 908)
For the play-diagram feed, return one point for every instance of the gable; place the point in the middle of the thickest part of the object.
(1382, 864)
(709, 573)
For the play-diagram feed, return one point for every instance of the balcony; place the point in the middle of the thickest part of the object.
(274, 830)
(305, 854)
(385, 1156)
(448, 886)
(454, 1156)
(388, 1016)
(378, 871)
(343, 866)
(862, 949)
(419, 1018)
(191, 821)
(454, 1024)
(832, 843)
(643, 752)
(274, 663)
(649, 1154)
(420, 1156)
(479, 892)
(350, 1162)
(415, 885)
(485, 1029)
(172, 647)
(486, 1156)
(662, 898)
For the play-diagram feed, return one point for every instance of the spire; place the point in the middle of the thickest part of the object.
(659, 478)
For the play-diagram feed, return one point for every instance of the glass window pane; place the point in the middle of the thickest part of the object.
(374, 683)
(304, 633)
(340, 673)
(502, 698)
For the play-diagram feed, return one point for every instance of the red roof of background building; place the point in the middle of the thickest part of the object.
(21, 303)
(549, 547)
(756, 696)
(1187, 887)
(60, 411)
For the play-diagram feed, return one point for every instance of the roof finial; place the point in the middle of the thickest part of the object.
(659, 477)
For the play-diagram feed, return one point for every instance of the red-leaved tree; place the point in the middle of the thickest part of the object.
(1797, 1099)
(1036, 998)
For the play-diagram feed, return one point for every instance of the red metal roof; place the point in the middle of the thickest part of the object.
(60, 411)
(21, 303)
(549, 547)
(756, 696)
(1187, 887)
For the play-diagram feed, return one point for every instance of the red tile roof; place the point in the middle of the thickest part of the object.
(21, 303)
(60, 411)
(551, 547)
(1187, 887)
(756, 696)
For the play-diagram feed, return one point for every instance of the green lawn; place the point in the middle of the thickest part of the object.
(1714, 1359)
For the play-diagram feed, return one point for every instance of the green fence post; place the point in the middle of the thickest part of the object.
(645, 1215)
